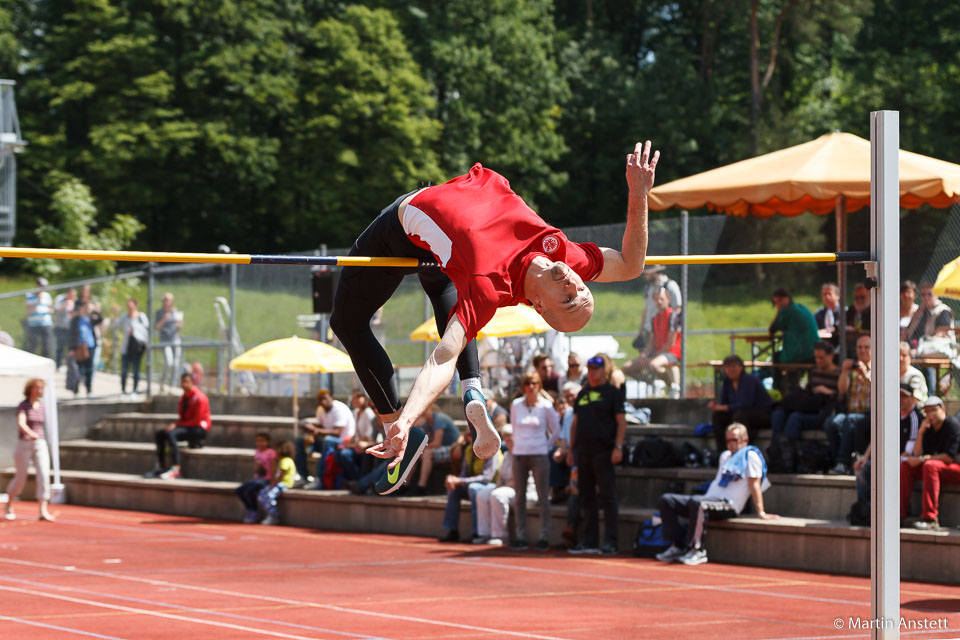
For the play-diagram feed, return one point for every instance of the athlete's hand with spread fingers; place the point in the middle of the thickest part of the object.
(641, 168)
(393, 446)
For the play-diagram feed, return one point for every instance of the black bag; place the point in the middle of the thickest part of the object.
(709, 457)
(803, 401)
(691, 456)
(782, 455)
(813, 457)
(653, 452)
(859, 515)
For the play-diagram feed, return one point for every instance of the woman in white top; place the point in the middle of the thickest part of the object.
(134, 328)
(536, 428)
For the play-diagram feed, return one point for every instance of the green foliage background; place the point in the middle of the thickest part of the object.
(272, 126)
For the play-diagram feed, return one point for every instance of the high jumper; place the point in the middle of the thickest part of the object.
(494, 251)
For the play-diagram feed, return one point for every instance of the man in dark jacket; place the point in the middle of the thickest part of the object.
(742, 399)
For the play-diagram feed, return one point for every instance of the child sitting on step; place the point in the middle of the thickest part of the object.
(264, 461)
(284, 476)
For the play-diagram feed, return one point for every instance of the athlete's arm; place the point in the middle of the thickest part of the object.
(436, 374)
(627, 264)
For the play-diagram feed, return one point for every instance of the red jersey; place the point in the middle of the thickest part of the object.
(485, 236)
(194, 409)
(663, 323)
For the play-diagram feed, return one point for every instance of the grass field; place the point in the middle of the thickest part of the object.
(267, 315)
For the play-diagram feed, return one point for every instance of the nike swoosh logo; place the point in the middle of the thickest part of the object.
(393, 474)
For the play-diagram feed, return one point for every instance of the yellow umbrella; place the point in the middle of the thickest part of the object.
(948, 280)
(293, 355)
(507, 321)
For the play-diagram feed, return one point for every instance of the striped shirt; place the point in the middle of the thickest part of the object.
(35, 418)
(39, 305)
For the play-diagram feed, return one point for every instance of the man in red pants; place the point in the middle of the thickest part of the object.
(933, 461)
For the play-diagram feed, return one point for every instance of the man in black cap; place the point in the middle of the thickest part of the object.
(933, 461)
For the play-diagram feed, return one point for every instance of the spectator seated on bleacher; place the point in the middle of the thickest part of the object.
(934, 461)
(351, 455)
(857, 317)
(742, 399)
(908, 307)
(476, 475)
(931, 331)
(333, 425)
(444, 447)
(192, 424)
(911, 375)
(264, 459)
(910, 420)
(845, 430)
(799, 335)
(742, 475)
(807, 408)
(661, 355)
(828, 317)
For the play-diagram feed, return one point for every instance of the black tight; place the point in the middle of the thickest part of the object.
(363, 290)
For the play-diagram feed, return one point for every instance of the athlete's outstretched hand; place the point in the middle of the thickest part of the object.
(392, 446)
(641, 168)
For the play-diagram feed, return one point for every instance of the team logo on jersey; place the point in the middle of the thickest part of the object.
(550, 244)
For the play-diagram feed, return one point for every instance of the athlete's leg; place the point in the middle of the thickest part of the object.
(363, 290)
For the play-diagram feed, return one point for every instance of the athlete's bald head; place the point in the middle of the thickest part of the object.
(561, 297)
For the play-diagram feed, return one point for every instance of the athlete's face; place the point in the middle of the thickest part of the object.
(565, 302)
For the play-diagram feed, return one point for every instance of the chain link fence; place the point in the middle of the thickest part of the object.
(275, 302)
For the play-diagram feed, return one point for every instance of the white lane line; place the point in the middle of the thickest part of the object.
(158, 614)
(167, 605)
(264, 598)
(139, 529)
(665, 583)
(59, 628)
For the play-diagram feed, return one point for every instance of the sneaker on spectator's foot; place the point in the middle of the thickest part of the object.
(581, 549)
(671, 554)
(270, 521)
(450, 536)
(170, 474)
(518, 545)
(315, 486)
(251, 517)
(839, 469)
(542, 545)
(694, 557)
(154, 473)
(393, 479)
(609, 550)
(495, 542)
(486, 440)
(927, 525)
(478, 540)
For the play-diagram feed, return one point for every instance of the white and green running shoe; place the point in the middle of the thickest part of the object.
(393, 479)
(486, 440)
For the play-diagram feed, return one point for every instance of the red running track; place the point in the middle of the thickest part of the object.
(100, 573)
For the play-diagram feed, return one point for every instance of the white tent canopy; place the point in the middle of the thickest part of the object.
(23, 364)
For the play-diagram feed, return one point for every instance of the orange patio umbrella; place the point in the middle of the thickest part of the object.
(814, 176)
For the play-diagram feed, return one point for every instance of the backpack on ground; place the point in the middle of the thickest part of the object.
(649, 539)
(653, 452)
(813, 457)
(859, 515)
(782, 455)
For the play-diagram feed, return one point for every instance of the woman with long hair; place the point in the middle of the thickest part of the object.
(536, 427)
(31, 446)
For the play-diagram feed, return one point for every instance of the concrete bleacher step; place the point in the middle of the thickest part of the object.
(209, 463)
(226, 430)
(792, 543)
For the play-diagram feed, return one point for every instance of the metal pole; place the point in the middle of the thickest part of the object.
(685, 303)
(326, 379)
(884, 392)
(233, 326)
(150, 283)
(841, 214)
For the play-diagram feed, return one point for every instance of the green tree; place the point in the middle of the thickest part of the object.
(74, 225)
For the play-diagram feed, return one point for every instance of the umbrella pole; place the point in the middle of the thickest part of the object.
(841, 215)
(296, 409)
